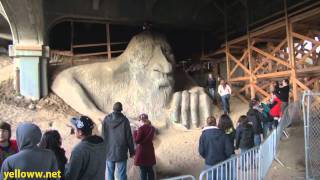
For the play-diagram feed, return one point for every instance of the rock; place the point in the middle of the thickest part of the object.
(28, 101)
(19, 97)
(32, 107)
(39, 106)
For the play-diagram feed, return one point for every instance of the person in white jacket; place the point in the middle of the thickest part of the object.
(224, 91)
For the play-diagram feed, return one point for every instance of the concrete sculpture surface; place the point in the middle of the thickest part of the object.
(143, 78)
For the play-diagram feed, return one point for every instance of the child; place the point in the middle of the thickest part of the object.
(7, 147)
(145, 156)
(52, 140)
(244, 134)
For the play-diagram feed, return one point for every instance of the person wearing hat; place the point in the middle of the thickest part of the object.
(145, 157)
(87, 159)
(30, 157)
(117, 134)
(8, 147)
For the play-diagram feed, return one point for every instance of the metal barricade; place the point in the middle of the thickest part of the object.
(253, 164)
(267, 153)
(241, 166)
(184, 177)
(311, 116)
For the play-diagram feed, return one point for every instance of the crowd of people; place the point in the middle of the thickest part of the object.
(96, 157)
(219, 139)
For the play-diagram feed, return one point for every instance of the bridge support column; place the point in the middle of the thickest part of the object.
(31, 62)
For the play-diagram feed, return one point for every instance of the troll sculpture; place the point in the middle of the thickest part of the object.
(143, 78)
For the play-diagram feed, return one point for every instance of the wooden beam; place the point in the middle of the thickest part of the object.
(72, 40)
(299, 36)
(264, 86)
(267, 40)
(277, 48)
(257, 33)
(305, 15)
(89, 45)
(246, 78)
(236, 61)
(314, 69)
(252, 90)
(90, 54)
(263, 92)
(118, 51)
(279, 23)
(278, 60)
(304, 87)
(71, 36)
(313, 80)
(274, 75)
(97, 44)
(227, 61)
(291, 53)
(241, 59)
(244, 88)
(240, 97)
(108, 41)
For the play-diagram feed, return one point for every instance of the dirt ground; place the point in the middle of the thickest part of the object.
(176, 149)
(291, 154)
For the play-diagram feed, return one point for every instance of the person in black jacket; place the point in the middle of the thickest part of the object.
(211, 84)
(52, 140)
(284, 91)
(88, 158)
(116, 132)
(244, 134)
(256, 118)
(214, 145)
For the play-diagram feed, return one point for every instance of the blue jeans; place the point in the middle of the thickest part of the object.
(267, 128)
(122, 169)
(146, 173)
(225, 103)
(257, 139)
(211, 92)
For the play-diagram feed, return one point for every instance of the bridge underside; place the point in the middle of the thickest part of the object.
(278, 37)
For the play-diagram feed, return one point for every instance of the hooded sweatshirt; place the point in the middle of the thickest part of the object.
(214, 145)
(117, 135)
(88, 160)
(145, 151)
(256, 119)
(244, 136)
(30, 157)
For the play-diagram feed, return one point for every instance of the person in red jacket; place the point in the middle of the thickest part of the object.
(145, 156)
(8, 147)
(275, 110)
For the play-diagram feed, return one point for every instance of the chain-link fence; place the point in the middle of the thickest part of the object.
(311, 114)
